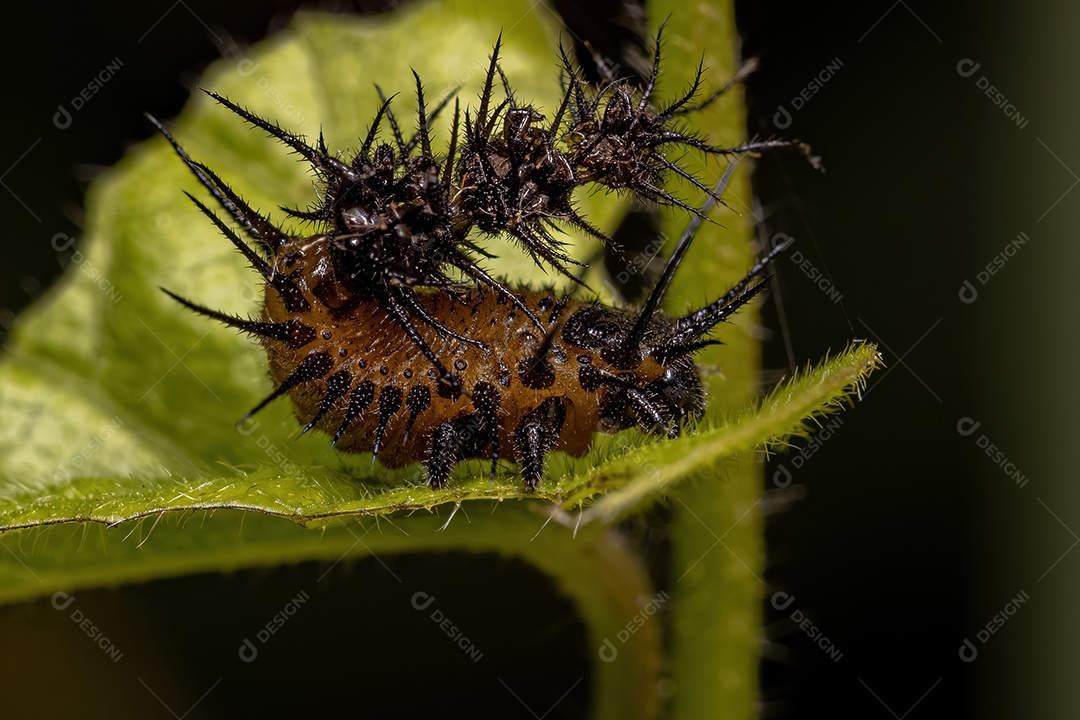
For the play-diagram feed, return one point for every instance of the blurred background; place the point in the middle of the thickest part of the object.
(928, 569)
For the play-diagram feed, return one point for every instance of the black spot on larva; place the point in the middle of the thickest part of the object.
(383, 370)
(390, 398)
(594, 328)
(326, 334)
(590, 378)
(584, 359)
(314, 366)
(407, 373)
(460, 365)
(449, 387)
(536, 374)
(293, 333)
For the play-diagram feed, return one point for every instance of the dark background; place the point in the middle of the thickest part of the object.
(909, 538)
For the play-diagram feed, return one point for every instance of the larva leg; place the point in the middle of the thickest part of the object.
(535, 436)
(486, 400)
(651, 416)
(532, 443)
(444, 455)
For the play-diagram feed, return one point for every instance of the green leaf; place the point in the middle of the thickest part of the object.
(626, 471)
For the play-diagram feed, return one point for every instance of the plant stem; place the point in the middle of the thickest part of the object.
(717, 541)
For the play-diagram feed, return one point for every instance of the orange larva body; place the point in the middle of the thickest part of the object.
(365, 328)
(365, 351)
(438, 376)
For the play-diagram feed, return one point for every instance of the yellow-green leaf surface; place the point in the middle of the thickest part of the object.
(120, 456)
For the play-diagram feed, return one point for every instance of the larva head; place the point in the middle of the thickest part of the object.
(652, 385)
(648, 369)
